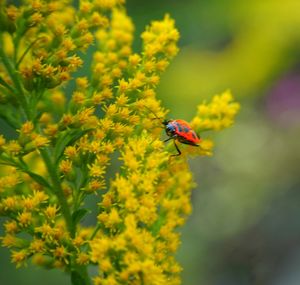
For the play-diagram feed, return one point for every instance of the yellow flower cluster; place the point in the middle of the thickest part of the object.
(217, 115)
(101, 138)
(139, 215)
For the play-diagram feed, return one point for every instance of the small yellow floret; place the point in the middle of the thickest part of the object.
(25, 219)
(19, 257)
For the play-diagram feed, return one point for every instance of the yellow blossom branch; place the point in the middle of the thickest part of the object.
(103, 140)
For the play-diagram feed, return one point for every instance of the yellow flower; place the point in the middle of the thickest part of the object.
(37, 246)
(46, 230)
(51, 130)
(98, 20)
(29, 203)
(123, 86)
(51, 212)
(10, 203)
(61, 253)
(11, 227)
(105, 4)
(39, 196)
(105, 265)
(113, 218)
(27, 128)
(99, 247)
(25, 219)
(134, 59)
(82, 82)
(130, 160)
(96, 170)
(9, 240)
(12, 12)
(65, 166)
(83, 258)
(13, 147)
(78, 97)
(35, 19)
(70, 152)
(85, 116)
(45, 118)
(10, 181)
(39, 141)
(19, 257)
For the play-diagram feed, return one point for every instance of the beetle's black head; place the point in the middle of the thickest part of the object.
(165, 122)
(170, 129)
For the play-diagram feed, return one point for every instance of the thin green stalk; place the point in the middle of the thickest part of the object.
(5, 84)
(95, 231)
(58, 191)
(26, 51)
(15, 78)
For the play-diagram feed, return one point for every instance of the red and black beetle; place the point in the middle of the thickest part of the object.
(181, 131)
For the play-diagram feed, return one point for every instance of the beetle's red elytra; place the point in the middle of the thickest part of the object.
(181, 131)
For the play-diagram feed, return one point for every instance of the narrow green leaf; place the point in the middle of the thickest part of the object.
(9, 117)
(4, 83)
(39, 179)
(68, 139)
(78, 215)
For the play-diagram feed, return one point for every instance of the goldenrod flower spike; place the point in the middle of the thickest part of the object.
(102, 139)
(216, 115)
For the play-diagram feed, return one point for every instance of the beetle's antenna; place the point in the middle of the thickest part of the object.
(153, 113)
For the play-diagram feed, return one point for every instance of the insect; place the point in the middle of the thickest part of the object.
(180, 130)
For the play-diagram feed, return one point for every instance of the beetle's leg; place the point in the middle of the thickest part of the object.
(168, 139)
(178, 150)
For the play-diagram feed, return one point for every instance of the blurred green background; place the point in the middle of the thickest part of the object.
(245, 226)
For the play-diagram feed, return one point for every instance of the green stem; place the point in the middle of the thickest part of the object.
(80, 275)
(26, 51)
(5, 84)
(95, 231)
(15, 78)
(58, 191)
